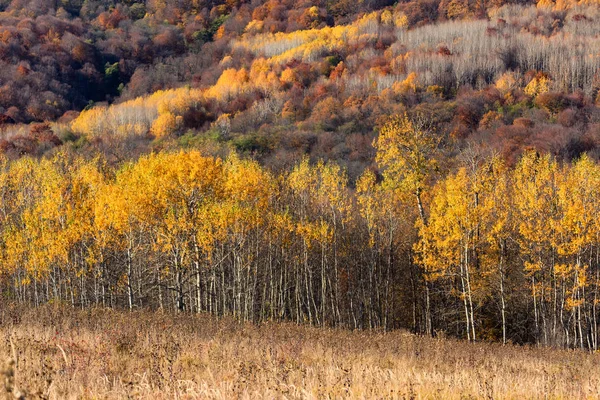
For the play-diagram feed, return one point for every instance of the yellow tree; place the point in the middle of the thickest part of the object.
(452, 243)
(7, 214)
(43, 222)
(577, 233)
(162, 194)
(407, 150)
(42, 231)
(302, 183)
(497, 224)
(536, 212)
(87, 179)
(17, 196)
(445, 240)
(244, 209)
(333, 204)
(320, 199)
(60, 223)
(127, 213)
(116, 230)
(389, 223)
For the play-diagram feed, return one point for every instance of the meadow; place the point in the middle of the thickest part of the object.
(56, 352)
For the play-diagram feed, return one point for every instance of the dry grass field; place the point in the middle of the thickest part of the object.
(102, 354)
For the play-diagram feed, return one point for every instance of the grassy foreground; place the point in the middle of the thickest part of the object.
(66, 354)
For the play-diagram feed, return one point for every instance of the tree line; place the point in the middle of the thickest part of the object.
(484, 251)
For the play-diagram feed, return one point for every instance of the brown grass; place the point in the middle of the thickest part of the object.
(64, 354)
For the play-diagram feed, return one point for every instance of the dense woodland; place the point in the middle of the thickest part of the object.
(488, 252)
(430, 165)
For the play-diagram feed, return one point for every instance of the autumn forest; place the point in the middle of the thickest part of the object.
(423, 165)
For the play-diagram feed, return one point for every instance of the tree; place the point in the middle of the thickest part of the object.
(164, 194)
(465, 234)
(537, 213)
(577, 234)
(407, 150)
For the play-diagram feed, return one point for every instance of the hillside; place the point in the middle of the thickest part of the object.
(64, 353)
(278, 80)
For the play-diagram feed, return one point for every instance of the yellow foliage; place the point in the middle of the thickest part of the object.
(562, 5)
(220, 32)
(507, 82)
(408, 85)
(321, 188)
(164, 125)
(254, 27)
(457, 9)
(406, 153)
(313, 11)
(383, 209)
(134, 117)
(577, 198)
(309, 44)
(288, 76)
(400, 20)
(545, 4)
(538, 85)
(231, 83)
(387, 18)
(535, 196)
(263, 77)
